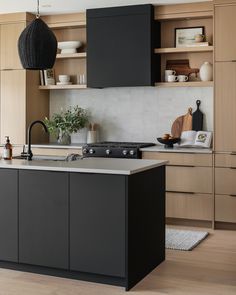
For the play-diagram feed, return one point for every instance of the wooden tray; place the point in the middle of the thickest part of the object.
(181, 66)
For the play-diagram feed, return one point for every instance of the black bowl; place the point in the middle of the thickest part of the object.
(169, 143)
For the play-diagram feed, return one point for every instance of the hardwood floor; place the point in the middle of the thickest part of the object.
(208, 269)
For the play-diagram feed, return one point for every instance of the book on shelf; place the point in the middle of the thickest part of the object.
(197, 44)
(41, 75)
(49, 77)
(198, 139)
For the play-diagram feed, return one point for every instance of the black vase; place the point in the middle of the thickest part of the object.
(37, 46)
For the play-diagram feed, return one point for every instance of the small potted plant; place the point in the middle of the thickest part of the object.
(65, 123)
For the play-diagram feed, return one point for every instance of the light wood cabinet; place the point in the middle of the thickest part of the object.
(13, 105)
(21, 103)
(225, 106)
(8, 47)
(189, 184)
(182, 159)
(225, 181)
(189, 206)
(225, 41)
(189, 179)
(225, 208)
(225, 160)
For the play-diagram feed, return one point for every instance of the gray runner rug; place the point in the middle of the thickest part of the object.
(186, 240)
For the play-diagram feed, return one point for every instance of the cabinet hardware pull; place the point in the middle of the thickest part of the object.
(233, 60)
(233, 153)
(178, 192)
(232, 167)
(192, 166)
(233, 196)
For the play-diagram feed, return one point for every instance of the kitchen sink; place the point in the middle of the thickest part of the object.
(69, 158)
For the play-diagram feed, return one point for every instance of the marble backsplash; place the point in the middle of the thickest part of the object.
(135, 113)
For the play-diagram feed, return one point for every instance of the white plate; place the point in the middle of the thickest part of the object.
(64, 83)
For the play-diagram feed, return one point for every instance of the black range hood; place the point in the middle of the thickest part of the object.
(120, 46)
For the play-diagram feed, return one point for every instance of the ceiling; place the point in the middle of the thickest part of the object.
(68, 6)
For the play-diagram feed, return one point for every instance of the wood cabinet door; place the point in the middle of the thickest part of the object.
(97, 223)
(13, 106)
(225, 41)
(9, 215)
(44, 218)
(225, 107)
(9, 46)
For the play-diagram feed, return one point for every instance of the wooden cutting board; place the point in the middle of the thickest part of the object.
(188, 121)
(198, 118)
(182, 123)
(176, 128)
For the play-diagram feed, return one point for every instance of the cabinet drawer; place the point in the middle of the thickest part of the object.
(183, 159)
(225, 208)
(55, 152)
(189, 206)
(225, 160)
(225, 183)
(189, 179)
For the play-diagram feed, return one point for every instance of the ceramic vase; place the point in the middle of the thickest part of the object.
(63, 138)
(206, 71)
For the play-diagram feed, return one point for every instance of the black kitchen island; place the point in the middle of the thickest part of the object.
(101, 220)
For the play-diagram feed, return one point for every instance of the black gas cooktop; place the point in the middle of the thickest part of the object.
(112, 149)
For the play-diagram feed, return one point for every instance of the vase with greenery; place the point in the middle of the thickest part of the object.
(63, 124)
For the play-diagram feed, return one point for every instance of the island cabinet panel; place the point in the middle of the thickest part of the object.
(43, 218)
(8, 215)
(97, 224)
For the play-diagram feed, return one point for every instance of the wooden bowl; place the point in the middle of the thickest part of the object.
(169, 143)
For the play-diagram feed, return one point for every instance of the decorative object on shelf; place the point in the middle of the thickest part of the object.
(191, 138)
(184, 36)
(81, 80)
(168, 140)
(197, 44)
(68, 47)
(172, 78)
(182, 78)
(199, 38)
(49, 77)
(64, 80)
(37, 45)
(182, 67)
(206, 71)
(169, 72)
(198, 118)
(65, 123)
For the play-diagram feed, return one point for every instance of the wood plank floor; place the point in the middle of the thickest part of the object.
(209, 269)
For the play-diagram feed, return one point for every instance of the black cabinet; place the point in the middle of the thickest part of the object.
(120, 46)
(97, 222)
(43, 218)
(9, 215)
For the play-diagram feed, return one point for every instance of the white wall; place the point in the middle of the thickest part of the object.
(135, 113)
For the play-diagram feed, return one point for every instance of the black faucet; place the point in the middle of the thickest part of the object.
(29, 153)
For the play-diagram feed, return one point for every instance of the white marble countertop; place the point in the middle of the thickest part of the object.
(86, 165)
(176, 149)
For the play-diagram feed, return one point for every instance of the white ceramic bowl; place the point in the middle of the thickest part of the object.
(69, 46)
(64, 78)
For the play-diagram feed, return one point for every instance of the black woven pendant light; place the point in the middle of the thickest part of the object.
(37, 45)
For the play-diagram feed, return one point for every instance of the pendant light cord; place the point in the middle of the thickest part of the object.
(38, 14)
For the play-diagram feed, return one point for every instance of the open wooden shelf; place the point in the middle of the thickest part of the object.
(72, 86)
(185, 84)
(184, 49)
(72, 55)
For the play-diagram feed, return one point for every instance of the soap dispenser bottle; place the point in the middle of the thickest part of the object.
(7, 149)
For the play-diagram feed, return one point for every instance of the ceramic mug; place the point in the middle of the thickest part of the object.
(172, 78)
(182, 78)
(168, 73)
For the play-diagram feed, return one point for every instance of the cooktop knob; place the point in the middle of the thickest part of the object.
(85, 151)
(108, 152)
(91, 151)
(131, 152)
(124, 152)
